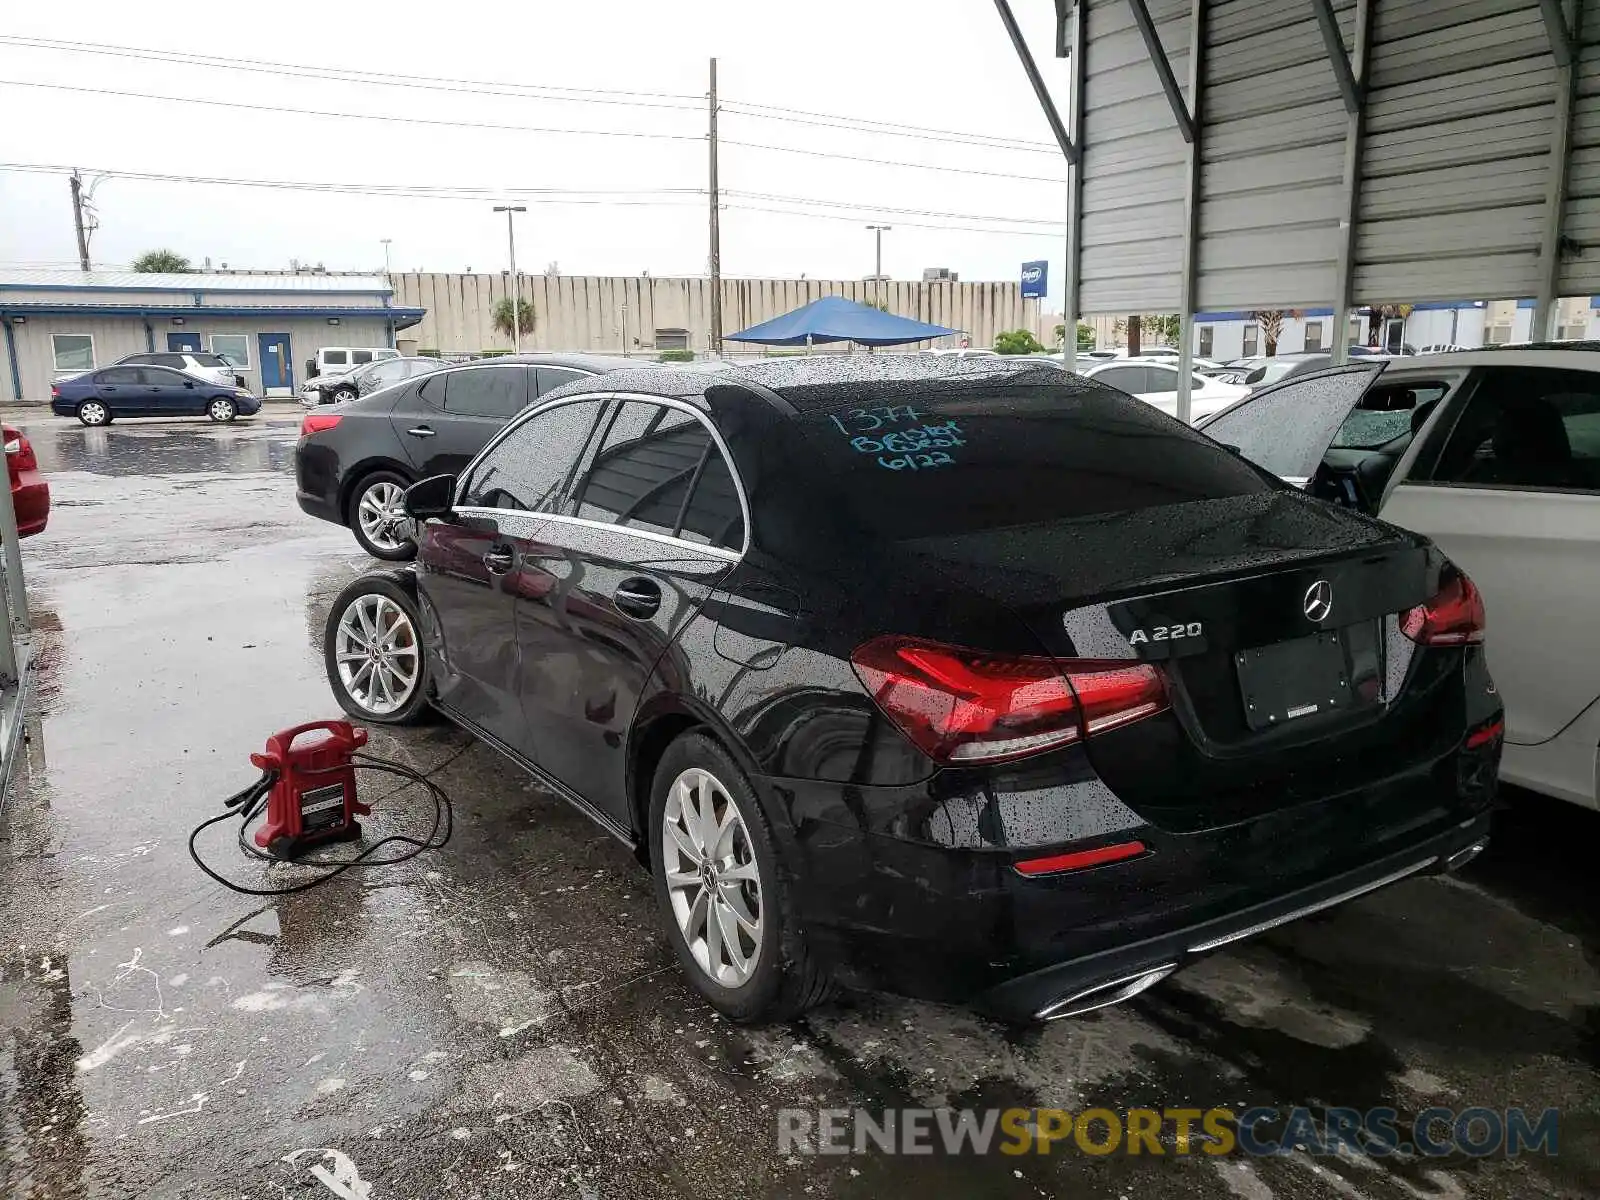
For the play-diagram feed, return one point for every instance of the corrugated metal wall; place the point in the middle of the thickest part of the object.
(575, 312)
(1133, 162)
(1458, 151)
(1272, 157)
(1580, 273)
(1453, 179)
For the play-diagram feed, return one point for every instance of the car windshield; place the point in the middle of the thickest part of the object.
(955, 462)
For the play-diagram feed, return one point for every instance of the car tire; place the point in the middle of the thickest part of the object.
(344, 393)
(94, 413)
(372, 638)
(222, 410)
(780, 978)
(373, 497)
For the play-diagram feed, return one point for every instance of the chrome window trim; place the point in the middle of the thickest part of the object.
(536, 409)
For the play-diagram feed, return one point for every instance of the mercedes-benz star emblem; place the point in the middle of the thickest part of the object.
(1318, 603)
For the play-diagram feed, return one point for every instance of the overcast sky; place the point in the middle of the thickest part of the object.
(944, 64)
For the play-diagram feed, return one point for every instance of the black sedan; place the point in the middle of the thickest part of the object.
(354, 461)
(971, 679)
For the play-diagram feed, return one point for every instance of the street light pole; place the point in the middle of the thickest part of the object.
(878, 232)
(515, 289)
(386, 242)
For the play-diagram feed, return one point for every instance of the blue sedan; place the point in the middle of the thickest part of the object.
(97, 397)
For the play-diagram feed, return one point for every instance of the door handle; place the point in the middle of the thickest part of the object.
(639, 598)
(420, 431)
(498, 560)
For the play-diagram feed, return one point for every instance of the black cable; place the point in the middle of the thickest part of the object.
(251, 800)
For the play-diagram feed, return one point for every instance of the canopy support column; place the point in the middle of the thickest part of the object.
(1355, 134)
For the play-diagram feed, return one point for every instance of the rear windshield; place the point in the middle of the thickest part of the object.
(208, 360)
(974, 461)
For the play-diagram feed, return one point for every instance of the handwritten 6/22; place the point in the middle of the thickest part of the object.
(917, 447)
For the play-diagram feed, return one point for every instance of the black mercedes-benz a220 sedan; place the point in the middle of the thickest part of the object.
(970, 679)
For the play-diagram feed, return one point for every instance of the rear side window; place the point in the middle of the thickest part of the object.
(486, 392)
(208, 360)
(1132, 380)
(118, 376)
(966, 461)
(1527, 427)
(159, 377)
(360, 356)
(658, 469)
(530, 467)
(334, 358)
(174, 361)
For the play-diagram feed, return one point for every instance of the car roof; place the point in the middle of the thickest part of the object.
(821, 383)
(600, 364)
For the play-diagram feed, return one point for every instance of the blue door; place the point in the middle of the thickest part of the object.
(184, 341)
(277, 364)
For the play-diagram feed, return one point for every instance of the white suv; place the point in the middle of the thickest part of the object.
(211, 367)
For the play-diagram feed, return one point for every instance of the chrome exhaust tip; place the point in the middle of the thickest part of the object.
(1462, 857)
(1103, 995)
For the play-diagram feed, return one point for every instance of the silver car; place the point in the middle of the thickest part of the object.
(1495, 455)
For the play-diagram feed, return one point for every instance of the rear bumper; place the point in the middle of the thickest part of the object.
(316, 475)
(1092, 982)
(31, 499)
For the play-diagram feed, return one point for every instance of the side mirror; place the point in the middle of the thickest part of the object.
(1229, 448)
(188, 383)
(432, 497)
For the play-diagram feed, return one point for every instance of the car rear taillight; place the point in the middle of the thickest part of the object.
(1078, 860)
(1453, 617)
(19, 451)
(967, 706)
(317, 422)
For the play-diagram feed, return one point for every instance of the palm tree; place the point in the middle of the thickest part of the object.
(502, 316)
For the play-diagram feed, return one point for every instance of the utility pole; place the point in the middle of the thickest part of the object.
(878, 232)
(76, 184)
(516, 286)
(716, 233)
(386, 242)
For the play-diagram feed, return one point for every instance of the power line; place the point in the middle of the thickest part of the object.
(313, 112)
(531, 91)
(849, 125)
(885, 162)
(679, 101)
(854, 219)
(534, 195)
(862, 207)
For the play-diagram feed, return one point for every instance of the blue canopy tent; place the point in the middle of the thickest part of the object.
(835, 319)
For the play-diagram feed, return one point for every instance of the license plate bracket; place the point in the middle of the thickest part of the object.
(1286, 681)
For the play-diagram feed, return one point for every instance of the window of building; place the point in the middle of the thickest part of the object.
(235, 347)
(1357, 334)
(672, 339)
(1497, 335)
(1252, 340)
(1573, 333)
(1313, 335)
(73, 351)
(1207, 340)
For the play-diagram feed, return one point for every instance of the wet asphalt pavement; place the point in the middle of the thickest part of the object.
(502, 1019)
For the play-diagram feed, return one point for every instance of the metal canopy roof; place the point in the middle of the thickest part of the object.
(1247, 154)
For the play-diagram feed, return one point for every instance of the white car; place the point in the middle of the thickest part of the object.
(1157, 383)
(213, 368)
(1495, 455)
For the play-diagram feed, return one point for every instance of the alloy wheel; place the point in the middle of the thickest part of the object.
(382, 514)
(375, 648)
(713, 879)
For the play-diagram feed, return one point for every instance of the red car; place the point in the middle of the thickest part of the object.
(30, 494)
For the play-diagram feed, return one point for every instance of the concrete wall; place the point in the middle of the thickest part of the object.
(115, 337)
(613, 314)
